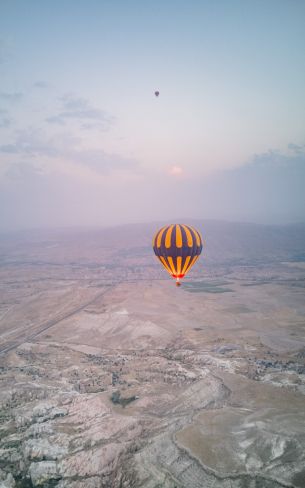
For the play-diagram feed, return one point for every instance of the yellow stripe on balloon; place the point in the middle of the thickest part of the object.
(195, 259)
(178, 236)
(171, 263)
(187, 260)
(188, 236)
(160, 236)
(165, 264)
(192, 263)
(168, 237)
(198, 237)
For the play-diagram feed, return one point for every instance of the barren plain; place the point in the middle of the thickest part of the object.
(111, 377)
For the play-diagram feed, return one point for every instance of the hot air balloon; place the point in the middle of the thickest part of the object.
(157, 93)
(178, 247)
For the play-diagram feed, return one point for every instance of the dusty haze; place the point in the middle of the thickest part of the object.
(84, 140)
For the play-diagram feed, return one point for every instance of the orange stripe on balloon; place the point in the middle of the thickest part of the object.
(172, 266)
(188, 236)
(178, 236)
(193, 261)
(168, 237)
(160, 236)
(198, 236)
(187, 260)
(166, 266)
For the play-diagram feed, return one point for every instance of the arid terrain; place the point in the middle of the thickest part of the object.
(112, 377)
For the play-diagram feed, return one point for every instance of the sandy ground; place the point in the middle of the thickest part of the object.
(139, 383)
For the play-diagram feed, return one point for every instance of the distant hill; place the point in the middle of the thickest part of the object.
(224, 242)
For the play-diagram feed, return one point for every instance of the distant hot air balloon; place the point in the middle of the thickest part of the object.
(157, 93)
(177, 247)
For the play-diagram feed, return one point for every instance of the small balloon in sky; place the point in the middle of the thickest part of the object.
(157, 93)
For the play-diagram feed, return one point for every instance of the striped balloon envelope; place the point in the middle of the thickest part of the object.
(178, 247)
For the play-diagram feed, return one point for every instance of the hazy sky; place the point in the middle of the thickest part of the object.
(84, 141)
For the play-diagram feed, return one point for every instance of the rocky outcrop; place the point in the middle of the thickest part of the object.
(43, 472)
(6, 480)
(43, 449)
